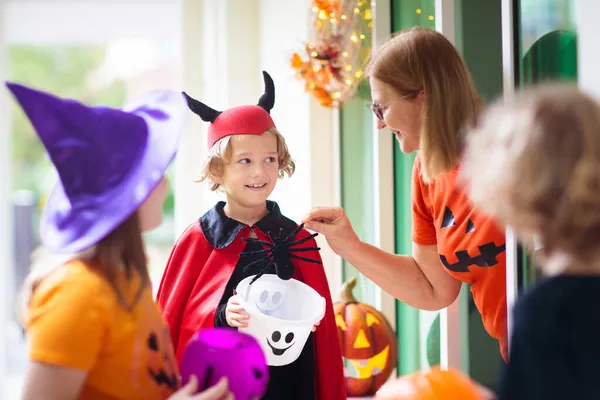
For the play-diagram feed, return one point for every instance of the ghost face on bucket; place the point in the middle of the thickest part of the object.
(282, 315)
(269, 301)
(278, 346)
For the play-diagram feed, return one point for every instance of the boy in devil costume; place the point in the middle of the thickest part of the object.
(227, 244)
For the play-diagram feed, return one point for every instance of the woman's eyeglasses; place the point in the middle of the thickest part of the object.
(377, 110)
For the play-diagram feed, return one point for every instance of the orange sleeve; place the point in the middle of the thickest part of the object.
(423, 228)
(67, 323)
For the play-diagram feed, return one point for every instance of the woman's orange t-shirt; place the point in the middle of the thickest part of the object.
(471, 245)
(75, 320)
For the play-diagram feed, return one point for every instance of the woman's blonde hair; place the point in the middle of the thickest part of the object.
(534, 163)
(122, 250)
(421, 59)
(219, 155)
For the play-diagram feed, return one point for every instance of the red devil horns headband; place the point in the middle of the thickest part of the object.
(241, 120)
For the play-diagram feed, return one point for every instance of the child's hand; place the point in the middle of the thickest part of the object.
(220, 391)
(235, 314)
(314, 328)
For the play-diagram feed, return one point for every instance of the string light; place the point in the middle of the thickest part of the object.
(332, 61)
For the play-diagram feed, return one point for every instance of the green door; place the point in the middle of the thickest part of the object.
(547, 51)
(412, 325)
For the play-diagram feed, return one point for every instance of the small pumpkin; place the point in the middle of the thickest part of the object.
(431, 384)
(369, 344)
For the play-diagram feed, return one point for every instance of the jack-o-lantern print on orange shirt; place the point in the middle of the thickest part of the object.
(471, 245)
(466, 245)
(155, 371)
(472, 249)
(468, 241)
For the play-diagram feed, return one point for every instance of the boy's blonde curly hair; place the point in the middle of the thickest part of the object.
(220, 154)
(534, 163)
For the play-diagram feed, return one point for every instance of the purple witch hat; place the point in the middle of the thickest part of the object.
(108, 160)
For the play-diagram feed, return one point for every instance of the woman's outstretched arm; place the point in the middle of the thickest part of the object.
(418, 280)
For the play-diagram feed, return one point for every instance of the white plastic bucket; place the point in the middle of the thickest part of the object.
(282, 314)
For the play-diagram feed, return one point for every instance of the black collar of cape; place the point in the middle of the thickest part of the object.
(220, 230)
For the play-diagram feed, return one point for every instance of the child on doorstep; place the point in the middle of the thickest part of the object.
(246, 157)
(94, 331)
(534, 163)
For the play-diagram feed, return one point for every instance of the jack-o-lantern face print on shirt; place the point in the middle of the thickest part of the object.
(468, 239)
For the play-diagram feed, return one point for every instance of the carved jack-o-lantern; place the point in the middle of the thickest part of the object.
(432, 384)
(369, 344)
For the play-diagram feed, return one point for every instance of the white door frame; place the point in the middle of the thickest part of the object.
(509, 84)
(454, 320)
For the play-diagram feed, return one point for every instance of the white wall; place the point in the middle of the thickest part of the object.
(87, 21)
(6, 231)
(282, 29)
(309, 129)
(587, 12)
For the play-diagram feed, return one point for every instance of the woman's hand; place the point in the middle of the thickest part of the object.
(332, 223)
(220, 391)
(235, 314)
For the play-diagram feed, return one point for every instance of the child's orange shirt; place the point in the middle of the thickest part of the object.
(471, 245)
(75, 320)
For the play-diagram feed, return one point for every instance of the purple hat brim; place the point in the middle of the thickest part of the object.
(65, 229)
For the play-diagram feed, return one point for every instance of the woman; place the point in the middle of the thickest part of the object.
(422, 91)
(93, 329)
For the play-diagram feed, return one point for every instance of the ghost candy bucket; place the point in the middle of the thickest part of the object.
(282, 314)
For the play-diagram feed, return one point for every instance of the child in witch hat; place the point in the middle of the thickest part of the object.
(246, 157)
(92, 326)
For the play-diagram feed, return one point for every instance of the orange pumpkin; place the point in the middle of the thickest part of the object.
(431, 384)
(369, 344)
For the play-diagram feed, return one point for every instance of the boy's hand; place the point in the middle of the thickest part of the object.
(314, 328)
(235, 314)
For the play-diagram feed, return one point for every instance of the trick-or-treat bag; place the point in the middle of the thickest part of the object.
(282, 314)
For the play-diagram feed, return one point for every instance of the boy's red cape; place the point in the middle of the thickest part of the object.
(197, 272)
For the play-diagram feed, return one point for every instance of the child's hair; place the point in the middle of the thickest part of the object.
(534, 163)
(123, 249)
(220, 154)
(420, 59)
